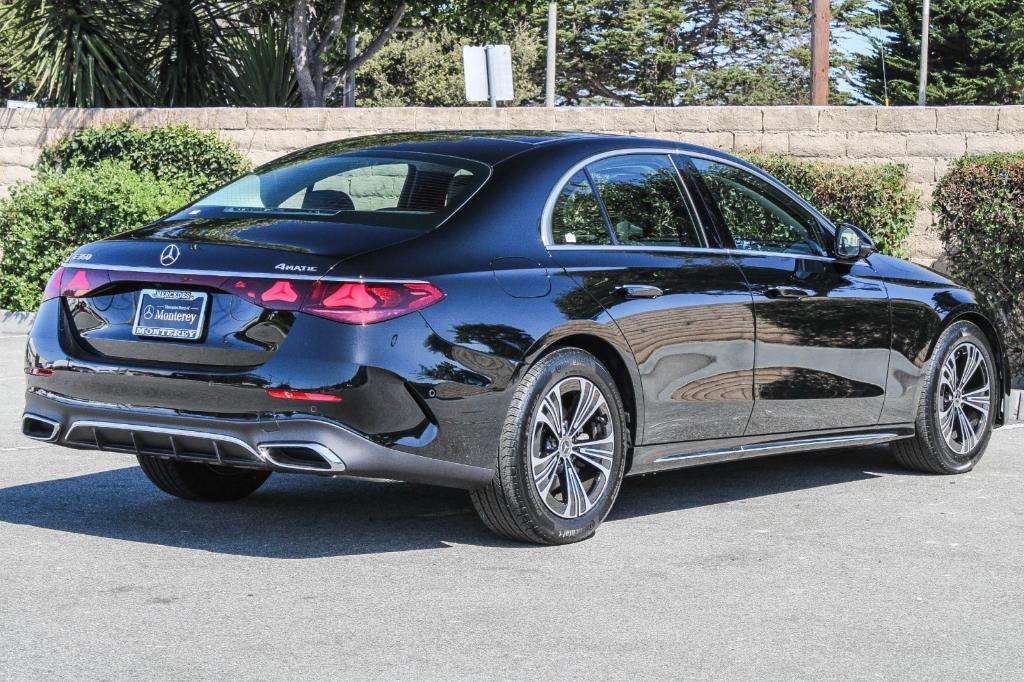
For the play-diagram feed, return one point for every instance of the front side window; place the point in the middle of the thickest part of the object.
(758, 215)
(576, 218)
(415, 191)
(645, 201)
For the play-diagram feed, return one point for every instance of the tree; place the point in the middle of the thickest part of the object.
(425, 69)
(75, 52)
(666, 52)
(316, 27)
(185, 48)
(975, 53)
(90, 53)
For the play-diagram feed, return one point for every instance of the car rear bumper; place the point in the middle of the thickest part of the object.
(296, 444)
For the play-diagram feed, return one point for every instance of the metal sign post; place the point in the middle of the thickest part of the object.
(922, 82)
(491, 79)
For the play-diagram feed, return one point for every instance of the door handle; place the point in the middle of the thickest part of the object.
(787, 292)
(639, 291)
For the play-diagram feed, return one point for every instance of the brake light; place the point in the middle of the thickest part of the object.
(303, 395)
(52, 289)
(369, 302)
(280, 291)
(75, 282)
(78, 285)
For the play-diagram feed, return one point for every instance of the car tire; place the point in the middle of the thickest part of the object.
(555, 479)
(952, 431)
(198, 481)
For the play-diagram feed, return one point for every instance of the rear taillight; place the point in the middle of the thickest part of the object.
(369, 302)
(74, 282)
(52, 289)
(355, 302)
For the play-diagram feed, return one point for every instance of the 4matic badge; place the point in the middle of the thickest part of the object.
(296, 268)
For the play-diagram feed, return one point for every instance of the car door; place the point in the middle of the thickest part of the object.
(823, 325)
(626, 228)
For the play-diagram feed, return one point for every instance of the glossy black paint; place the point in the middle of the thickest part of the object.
(718, 359)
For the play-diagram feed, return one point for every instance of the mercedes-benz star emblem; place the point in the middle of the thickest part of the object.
(169, 255)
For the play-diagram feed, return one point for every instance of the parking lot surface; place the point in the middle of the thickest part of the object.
(831, 565)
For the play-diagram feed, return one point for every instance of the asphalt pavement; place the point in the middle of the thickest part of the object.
(821, 566)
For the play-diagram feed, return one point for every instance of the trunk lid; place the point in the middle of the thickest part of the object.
(248, 278)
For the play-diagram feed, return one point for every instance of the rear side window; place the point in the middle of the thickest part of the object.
(415, 191)
(758, 215)
(645, 201)
(577, 218)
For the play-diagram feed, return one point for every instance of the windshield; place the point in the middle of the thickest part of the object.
(404, 190)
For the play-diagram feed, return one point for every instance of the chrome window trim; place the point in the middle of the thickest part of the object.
(549, 205)
(232, 273)
(546, 230)
(688, 249)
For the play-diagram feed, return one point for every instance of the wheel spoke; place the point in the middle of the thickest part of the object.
(948, 376)
(599, 459)
(967, 438)
(545, 473)
(979, 401)
(971, 366)
(551, 412)
(589, 403)
(577, 503)
(946, 421)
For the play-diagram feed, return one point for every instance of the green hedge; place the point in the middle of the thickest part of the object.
(175, 153)
(980, 202)
(100, 182)
(876, 197)
(43, 221)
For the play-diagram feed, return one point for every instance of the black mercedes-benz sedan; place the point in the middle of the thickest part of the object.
(530, 316)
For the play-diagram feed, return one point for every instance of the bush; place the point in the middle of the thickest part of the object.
(43, 221)
(179, 154)
(980, 202)
(876, 198)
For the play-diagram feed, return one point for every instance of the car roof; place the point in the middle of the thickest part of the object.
(487, 146)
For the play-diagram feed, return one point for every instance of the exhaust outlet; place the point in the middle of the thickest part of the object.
(307, 457)
(39, 428)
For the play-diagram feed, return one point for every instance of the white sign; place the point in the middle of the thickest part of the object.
(19, 104)
(488, 72)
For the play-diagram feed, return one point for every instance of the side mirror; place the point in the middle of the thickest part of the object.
(852, 243)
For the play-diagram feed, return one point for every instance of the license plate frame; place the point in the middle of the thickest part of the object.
(164, 314)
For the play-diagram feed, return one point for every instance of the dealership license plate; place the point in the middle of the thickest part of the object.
(167, 314)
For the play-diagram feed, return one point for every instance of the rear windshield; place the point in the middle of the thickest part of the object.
(404, 190)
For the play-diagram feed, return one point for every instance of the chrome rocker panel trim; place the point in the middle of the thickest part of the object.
(662, 457)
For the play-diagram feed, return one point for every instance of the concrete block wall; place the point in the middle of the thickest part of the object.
(924, 138)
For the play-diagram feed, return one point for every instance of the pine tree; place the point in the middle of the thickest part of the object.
(975, 53)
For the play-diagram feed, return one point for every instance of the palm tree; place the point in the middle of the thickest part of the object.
(77, 52)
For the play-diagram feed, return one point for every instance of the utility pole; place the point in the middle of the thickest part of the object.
(819, 52)
(549, 85)
(922, 83)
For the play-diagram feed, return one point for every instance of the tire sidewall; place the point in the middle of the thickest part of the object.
(560, 365)
(951, 338)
